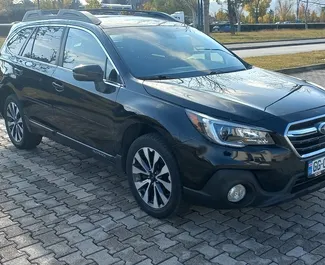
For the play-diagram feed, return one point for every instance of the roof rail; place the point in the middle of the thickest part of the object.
(131, 12)
(68, 14)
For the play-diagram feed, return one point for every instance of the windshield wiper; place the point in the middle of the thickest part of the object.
(215, 72)
(212, 49)
(157, 77)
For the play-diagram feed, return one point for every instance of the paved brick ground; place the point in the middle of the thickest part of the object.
(60, 207)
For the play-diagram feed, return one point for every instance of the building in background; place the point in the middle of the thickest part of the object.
(180, 16)
(134, 3)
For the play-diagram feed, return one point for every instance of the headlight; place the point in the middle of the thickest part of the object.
(228, 133)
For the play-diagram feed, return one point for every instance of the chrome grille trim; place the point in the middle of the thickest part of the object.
(288, 134)
(302, 132)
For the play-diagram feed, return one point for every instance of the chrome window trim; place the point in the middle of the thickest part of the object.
(286, 136)
(122, 84)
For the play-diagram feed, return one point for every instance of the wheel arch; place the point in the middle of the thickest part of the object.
(137, 129)
(5, 91)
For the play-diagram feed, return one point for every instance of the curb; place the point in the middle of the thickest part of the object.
(301, 69)
(273, 46)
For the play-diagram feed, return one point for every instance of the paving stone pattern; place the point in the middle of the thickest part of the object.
(58, 206)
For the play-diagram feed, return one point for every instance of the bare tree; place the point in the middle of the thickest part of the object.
(234, 9)
(297, 10)
(239, 6)
(284, 8)
(306, 14)
(192, 4)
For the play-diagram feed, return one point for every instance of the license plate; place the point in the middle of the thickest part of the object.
(316, 167)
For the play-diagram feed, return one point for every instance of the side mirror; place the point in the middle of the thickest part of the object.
(92, 72)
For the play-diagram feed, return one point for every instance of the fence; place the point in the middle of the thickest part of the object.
(258, 27)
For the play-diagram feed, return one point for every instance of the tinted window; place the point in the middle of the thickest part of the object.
(172, 51)
(46, 44)
(82, 48)
(29, 46)
(111, 73)
(16, 43)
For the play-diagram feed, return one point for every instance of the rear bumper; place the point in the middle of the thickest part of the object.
(214, 193)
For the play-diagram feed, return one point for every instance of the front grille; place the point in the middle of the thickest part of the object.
(305, 138)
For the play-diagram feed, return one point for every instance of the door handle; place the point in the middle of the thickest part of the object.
(18, 72)
(58, 87)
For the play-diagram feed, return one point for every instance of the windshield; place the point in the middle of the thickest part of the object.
(171, 52)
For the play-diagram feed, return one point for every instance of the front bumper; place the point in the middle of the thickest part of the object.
(271, 174)
(214, 193)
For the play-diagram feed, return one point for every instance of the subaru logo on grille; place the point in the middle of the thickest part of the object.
(321, 128)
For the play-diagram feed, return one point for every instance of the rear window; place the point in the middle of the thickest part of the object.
(44, 45)
(15, 44)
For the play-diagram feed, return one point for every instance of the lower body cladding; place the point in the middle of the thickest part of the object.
(218, 177)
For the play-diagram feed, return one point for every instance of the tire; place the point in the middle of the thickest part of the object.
(16, 127)
(155, 183)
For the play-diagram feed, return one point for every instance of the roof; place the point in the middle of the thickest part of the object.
(118, 21)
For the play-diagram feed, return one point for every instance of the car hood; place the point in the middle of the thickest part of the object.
(241, 93)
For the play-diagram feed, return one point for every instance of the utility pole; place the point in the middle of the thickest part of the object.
(200, 14)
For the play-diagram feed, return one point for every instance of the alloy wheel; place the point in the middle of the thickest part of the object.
(15, 122)
(151, 177)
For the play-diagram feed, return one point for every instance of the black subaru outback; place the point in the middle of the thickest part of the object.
(179, 113)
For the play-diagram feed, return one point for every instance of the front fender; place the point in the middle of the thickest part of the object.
(168, 119)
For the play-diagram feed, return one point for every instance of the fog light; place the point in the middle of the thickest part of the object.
(236, 193)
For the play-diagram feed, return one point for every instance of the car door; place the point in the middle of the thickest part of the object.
(84, 110)
(34, 71)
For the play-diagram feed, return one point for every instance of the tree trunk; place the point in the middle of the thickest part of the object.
(195, 18)
(231, 16)
(306, 14)
(206, 16)
(238, 18)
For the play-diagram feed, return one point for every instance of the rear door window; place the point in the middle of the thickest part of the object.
(18, 40)
(44, 46)
(29, 46)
